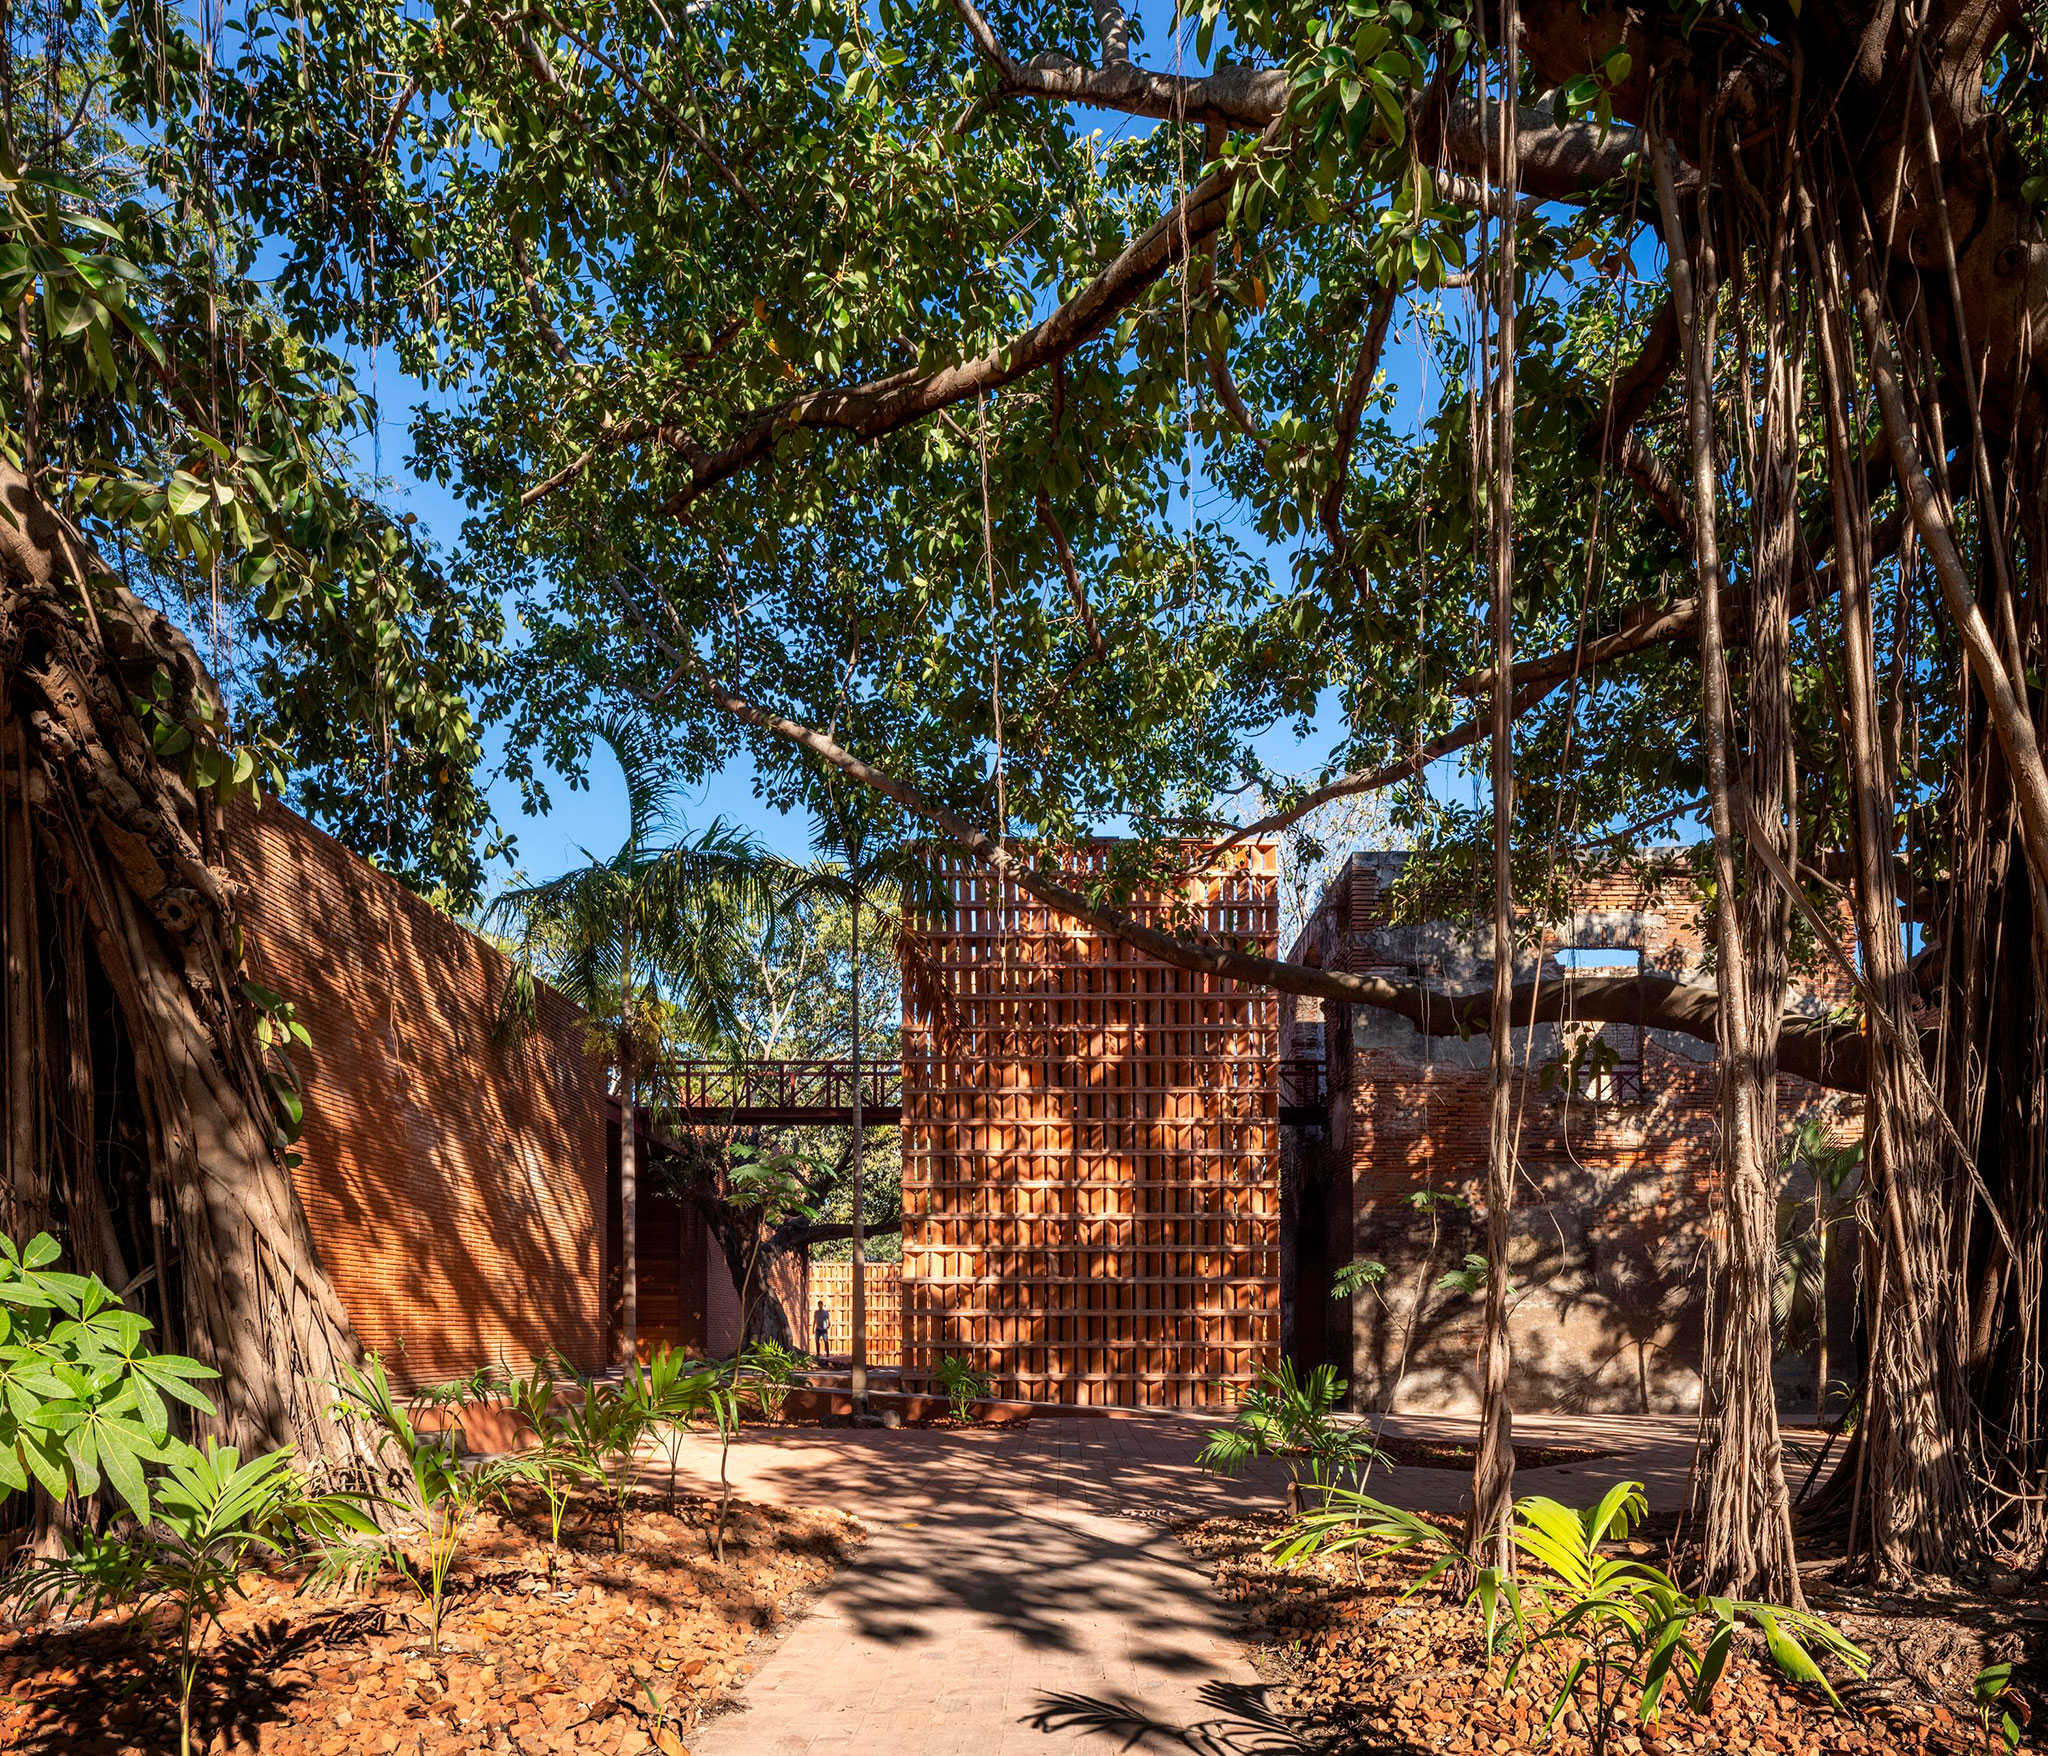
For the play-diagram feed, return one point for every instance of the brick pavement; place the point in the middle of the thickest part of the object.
(1019, 1592)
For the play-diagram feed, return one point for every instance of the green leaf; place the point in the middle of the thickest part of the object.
(1792, 1659)
(1712, 1663)
(124, 1470)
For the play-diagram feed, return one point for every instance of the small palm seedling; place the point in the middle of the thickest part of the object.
(657, 1714)
(446, 1491)
(602, 1426)
(1633, 1628)
(775, 1371)
(1287, 1416)
(675, 1391)
(725, 1410)
(553, 1465)
(1346, 1519)
(963, 1385)
(448, 1400)
(1632, 1624)
(771, 1188)
(211, 1513)
(1998, 1704)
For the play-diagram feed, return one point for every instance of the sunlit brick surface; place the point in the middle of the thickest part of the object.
(454, 1179)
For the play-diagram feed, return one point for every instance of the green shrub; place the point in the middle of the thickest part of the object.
(82, 1400)
(1633, 1628)
(553, 1465)
(675, 1390)
(963, 1385)
(1287, 1416)
(774, 1368)
(602, 1426)
(211, 1513)
(446, 1491)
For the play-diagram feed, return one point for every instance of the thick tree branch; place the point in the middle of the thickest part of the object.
(1349, 408)
(1113, 30)
(1374, 780)
(1828, 1054)
(1556, 162)
(1234, 97)
(613, 434)
(1653, 475)
(1636, 386)
(824, 1232)
(1647, 624)
(882, 405)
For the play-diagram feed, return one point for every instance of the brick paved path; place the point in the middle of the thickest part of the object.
(1019, 1592)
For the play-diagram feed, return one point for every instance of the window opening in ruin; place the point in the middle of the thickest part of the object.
(1606, 1060)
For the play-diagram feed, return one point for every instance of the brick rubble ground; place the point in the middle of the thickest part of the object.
(1359, 1667)
(524, 1668)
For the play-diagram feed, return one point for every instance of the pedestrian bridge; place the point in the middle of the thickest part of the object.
(740, 1094)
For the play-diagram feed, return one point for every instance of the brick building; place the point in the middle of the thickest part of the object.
(461, 1183)
(1617, 1163)
(1090, 1149)
(1102, 1200)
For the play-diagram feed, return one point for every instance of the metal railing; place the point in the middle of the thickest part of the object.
(1304, 1087)
(742, 1092)
(783, 1091)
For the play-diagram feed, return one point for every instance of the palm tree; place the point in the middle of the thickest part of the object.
(652, 943)
(872, 871)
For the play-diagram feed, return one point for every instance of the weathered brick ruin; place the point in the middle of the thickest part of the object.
(1617, 1165)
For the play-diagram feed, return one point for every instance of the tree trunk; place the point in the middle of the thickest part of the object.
(1913, 1432)
(857, 1372)
(119, 917)
(629, 1215)
(1493, 1463)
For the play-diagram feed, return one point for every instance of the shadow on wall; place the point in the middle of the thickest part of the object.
(1610, 1244)
(1605, 1315)
(454, 1180)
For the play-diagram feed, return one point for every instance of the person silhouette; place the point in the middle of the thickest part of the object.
(821, 1326)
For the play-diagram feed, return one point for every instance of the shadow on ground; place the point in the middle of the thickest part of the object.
(1240, 1723)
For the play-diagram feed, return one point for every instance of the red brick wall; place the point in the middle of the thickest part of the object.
(1090, 1151)
(1615, 1202)
(455, 1183)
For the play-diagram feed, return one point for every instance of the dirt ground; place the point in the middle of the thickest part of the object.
(1360, 1667)
(1413, 1453)
(621, 1655)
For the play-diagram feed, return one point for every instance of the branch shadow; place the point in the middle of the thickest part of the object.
(122, 1682)
(1241, 1722)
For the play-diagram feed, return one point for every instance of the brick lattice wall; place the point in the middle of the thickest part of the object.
(455, 1184)
(1090, 1166)
(832, 1282)
(1614, 1210)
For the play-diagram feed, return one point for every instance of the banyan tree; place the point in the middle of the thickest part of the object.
(1636, 405)
(194, 598)
(141, 1121)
